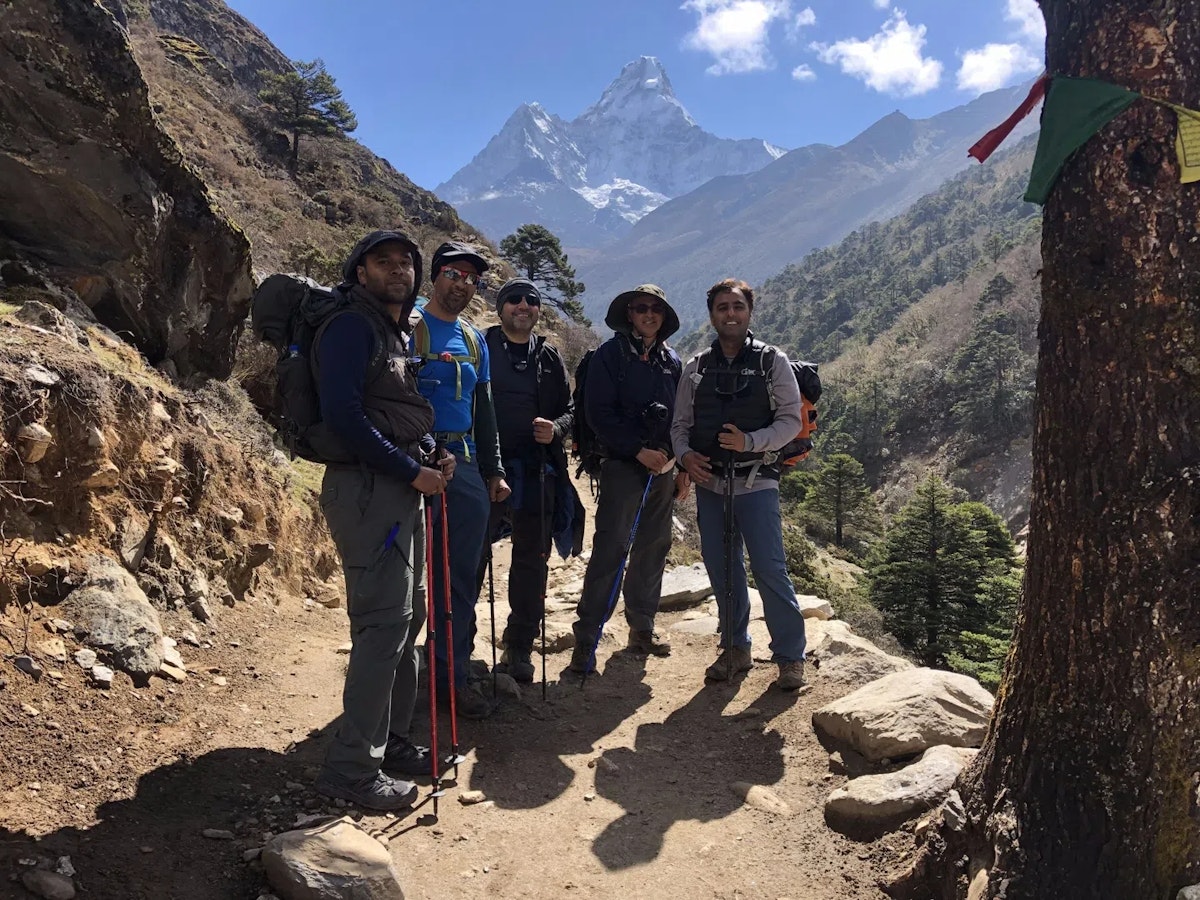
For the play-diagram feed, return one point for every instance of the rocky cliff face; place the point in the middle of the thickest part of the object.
(95, 193)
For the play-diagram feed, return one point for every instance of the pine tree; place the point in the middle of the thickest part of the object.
(839, 494)
(537, 253)
(307, 101)
(927, 573)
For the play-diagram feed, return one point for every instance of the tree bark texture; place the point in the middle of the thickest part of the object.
(1088, 785)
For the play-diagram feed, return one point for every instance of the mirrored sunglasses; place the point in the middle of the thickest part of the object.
(642, 308)
(454, 274)
(516, 301)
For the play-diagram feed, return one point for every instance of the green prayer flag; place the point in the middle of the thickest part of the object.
(1075, 109)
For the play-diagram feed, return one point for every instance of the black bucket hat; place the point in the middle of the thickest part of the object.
(617, 321)
(455, 250)
(369, 243)
(516, 287)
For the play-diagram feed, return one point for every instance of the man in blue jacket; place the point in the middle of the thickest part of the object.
(630, 399)
(456, 379)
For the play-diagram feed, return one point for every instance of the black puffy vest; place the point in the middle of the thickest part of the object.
(737, 392)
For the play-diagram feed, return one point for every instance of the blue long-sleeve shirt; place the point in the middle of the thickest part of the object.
(344, 358)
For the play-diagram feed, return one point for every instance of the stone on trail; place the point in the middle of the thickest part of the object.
(814, 607)
(699, 625)
(29, 666)
(102, 676)
(470, 798)
(883, 801)
(760, 798)
(111, 612)
(684, 587)
(333, 861)
(852, 660)
(907, 712)
(1191, 892)
(48, 885)
(85, 658)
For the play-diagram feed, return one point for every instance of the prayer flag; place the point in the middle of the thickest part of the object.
(1076, 108)
(986, 145)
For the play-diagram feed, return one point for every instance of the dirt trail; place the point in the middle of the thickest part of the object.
(619, 789)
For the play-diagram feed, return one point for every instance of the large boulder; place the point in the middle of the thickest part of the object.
(93, 190)
(112, 613)
(907, 712)
(849, 659)
(333, 861)
(882, 801)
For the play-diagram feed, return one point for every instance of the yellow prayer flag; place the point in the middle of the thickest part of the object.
(1187, 143)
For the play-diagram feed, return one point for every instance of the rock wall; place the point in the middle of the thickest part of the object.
(94, 190)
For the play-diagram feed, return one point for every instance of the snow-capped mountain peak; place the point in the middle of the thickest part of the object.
(593, 177)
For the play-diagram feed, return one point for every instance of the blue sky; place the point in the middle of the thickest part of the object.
(431, 83)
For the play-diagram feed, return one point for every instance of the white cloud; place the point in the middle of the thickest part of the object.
(804, 73)
(1028, 16)
(889, 62)
(995, 65)
(882, 4)
(806, 18)
(735, 32)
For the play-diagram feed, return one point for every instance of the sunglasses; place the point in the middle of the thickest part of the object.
(642, 308)
(516, 301)
(454, 274)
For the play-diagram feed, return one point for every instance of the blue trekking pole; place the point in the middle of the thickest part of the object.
(616, 588)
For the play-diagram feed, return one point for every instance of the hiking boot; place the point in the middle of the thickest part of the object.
(518, 664)
(732, 661)
(791, 675)
(379, 792)
(581, 660)
(470, 703)
(403, 757)
(649, 642)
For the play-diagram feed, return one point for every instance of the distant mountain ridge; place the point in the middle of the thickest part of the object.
(753, 225)
(590, 179)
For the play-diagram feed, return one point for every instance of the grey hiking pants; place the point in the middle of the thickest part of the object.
(376, 524)
(621, 485)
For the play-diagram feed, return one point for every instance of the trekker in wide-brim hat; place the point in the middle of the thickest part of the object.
(617, 317)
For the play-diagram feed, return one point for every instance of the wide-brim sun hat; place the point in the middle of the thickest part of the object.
(617, 321)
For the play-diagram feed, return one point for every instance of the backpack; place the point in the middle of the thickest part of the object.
(584, 446)
(288, 312)
(809, 383)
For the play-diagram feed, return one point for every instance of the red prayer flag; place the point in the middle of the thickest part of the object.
(986, 145)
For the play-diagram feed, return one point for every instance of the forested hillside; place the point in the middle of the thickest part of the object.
(924, 327)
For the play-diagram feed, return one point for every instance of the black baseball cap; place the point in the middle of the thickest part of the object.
(456, 250)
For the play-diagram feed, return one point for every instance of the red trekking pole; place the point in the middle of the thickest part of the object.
(454, 758)
(431, 657)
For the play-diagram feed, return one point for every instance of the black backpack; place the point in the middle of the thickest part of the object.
(584, 446)
(288, 313)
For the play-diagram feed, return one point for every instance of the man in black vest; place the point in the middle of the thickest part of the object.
(534, 414)
(373, 507)
(738, 402)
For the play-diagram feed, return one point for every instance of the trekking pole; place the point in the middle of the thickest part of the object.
(492, 607)
(544, 547)
(616, 588)
(728, 626)
(431, 657)
(454, 758)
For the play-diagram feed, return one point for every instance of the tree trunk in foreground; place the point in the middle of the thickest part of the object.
(1088, 785)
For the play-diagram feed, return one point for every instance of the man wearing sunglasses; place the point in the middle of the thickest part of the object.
(455, 377)
(738, 402)
(534, 413)
(630, 397)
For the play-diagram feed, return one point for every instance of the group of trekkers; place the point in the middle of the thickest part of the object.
(459, 437)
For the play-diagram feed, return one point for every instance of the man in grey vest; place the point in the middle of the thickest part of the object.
(373, 507)
(738, 403)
